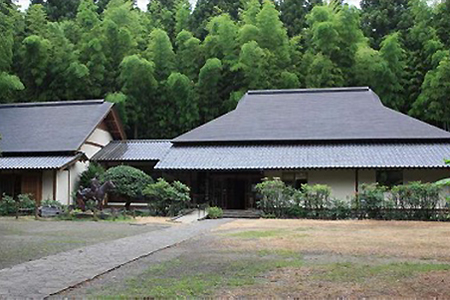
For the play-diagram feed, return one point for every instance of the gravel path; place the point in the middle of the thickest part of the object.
(52, 274)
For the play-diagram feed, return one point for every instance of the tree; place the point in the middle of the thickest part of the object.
(179, 112)
(205, 10)
(160, 52)
(253, 62)
(182, 14)
(441, 23)
(221, 41)
(36, 20)
(433, 102)
(8, 83)
(139, 84)
(210, 76)
(130, 182)
(323, 73)
(58, 10)
(35, 60)
(380, 18)
(293, 14)
(189, 55)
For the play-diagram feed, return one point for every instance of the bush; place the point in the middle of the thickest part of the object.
(93, 171)
(130, 182)
(420, 199)
(369, 201)
(51, 203)
(277, 198)
(10, 206)
(214, 212)
(7, 205)
(167, 199)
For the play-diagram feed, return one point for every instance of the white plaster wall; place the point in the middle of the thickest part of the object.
(341, 182)
(62, 192)
(100, 136)
(47, 185)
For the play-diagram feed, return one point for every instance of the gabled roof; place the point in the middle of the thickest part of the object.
(133, 150)
(306, 156)
(338, 114)
(51, 126)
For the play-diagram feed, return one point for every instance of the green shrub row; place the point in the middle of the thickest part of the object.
(23, 203)
(414, 201)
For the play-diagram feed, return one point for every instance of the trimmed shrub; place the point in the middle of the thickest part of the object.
(214, 212)
(130, 182)
(369, 201)
(276, 198)
(167, 199)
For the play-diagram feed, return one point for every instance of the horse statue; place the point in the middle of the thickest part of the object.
(96, 193)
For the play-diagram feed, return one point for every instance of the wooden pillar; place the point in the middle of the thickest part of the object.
(356, 181)
(54, 185)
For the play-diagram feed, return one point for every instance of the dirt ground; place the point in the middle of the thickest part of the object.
(292, 259)
(26, 239)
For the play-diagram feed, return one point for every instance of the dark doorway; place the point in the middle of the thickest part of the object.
(236, 194)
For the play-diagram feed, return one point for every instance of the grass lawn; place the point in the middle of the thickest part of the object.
(26, 239)
(292, 258)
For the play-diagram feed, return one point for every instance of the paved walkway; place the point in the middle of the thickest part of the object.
(52, 274)
(191, 217)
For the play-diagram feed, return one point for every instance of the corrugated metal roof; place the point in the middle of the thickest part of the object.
(306, 156)
(49, 126)
(36, 162)
(133, 150)
(339, 114)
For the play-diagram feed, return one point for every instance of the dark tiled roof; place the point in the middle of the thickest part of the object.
(49, 126)
(341, 114)
(36, 162)
(306, 156)
(133, 150)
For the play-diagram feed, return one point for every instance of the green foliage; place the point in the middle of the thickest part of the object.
(51, 203)
(167, 199)
(93, 171)
(370, 200)
(130, 182)
(214, 212)
(276, 197)
(10, 206)
(316, 196)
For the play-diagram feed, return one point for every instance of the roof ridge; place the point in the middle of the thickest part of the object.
(142, 141)
(52, 103)
(312, 90)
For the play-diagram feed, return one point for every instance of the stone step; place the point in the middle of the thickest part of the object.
(242, 213)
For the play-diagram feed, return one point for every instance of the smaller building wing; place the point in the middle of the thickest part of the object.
(306, 156)
(133, 150)
(37, 162)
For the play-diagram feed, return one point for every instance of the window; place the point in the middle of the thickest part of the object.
(389, 178)
(294, 179)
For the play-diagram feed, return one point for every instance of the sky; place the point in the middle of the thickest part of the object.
(143, 3)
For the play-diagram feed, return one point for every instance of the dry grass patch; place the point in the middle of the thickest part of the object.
(417, 240)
